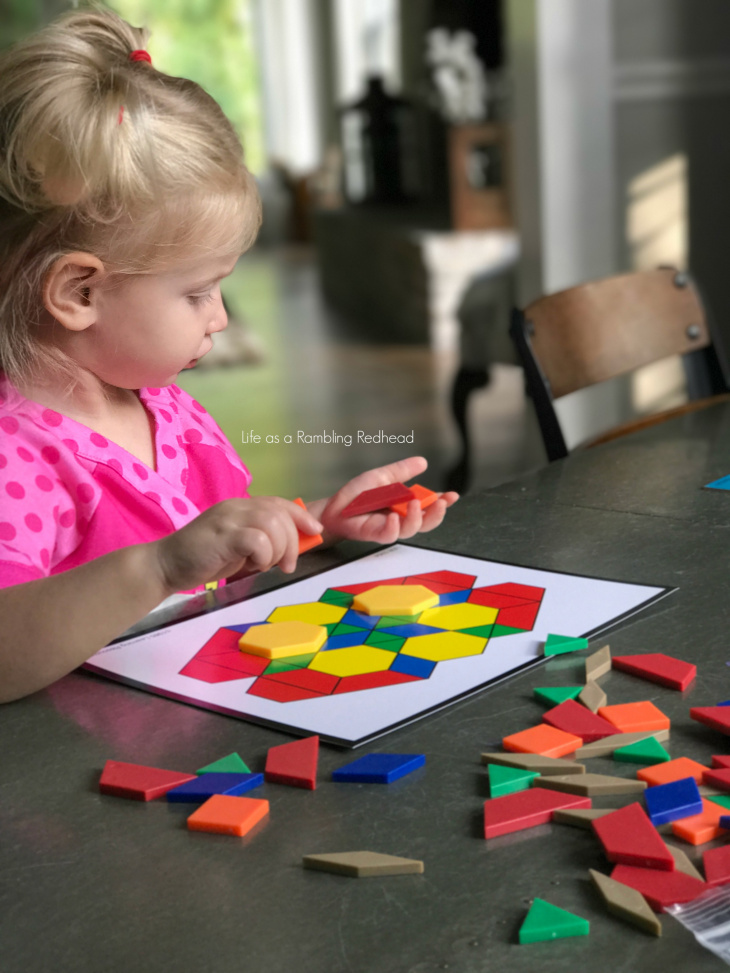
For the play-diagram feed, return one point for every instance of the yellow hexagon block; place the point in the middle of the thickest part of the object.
(464, 615)
(395, 599)
(282, 639)
(314, 612)
(443, 645)
(354, 661)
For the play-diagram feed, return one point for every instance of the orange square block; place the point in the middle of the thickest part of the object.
(306, 541)
(630, 717)
(223, 814)
(701, 828)
(672, 770)
(546, 740)
(424, 496)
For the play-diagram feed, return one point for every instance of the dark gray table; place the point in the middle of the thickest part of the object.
(91, 883)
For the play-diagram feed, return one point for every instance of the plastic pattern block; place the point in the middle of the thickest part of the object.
(526, 809)
(224, 814)
(534, 761)
(716, 862)
(578, 720)
(306, 541)
(673, 770)
(380, 498)
(581, 818)
(700, 828)
(628, 837)
(424, 496)
(725, 822)
(558, 644)
(591, 784)
(232, 764)
(626, 903)
(598, 664)
(294, 764)
(659, 668)
(717, 717)
(683, 863)
(379, 768)
(649, 751)
(633, 717)
(717, 778)
(722, 800)
(546, 921)
(672, 801)
(546, 740)
(721, 760)
(508, 780)
(363, 864)
(592, 696)
(660, 889)
(553, 695)
(602, 748)
(137, 782)
(201, 788)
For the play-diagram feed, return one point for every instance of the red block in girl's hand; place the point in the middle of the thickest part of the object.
(378, 499)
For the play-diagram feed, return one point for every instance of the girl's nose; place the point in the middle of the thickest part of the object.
(219, 318)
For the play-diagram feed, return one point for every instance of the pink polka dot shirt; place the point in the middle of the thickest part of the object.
(68, 495)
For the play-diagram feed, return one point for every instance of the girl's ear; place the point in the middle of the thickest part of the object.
(69, 290)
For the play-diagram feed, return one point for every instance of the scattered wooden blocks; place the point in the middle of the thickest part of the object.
(659, 668)
(592, 696)
(633, 717)
(527, 809)
(660, 889)
(672, 770)
(573, 718)
(558, 644)
(546, 921)
(603, 747)
(598, 664)
(137, 782)
(591, 785)
(673, 801)
(628, 837)
(294, 764)
(224, 814)
(363, 864)
(379, 768)
(717, 717)
(546, 740)
(380, 498)
(626, 903)
(535, 761)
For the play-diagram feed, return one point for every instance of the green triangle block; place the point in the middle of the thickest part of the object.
(557, 644)
(289, 663)
(722, 799)
(391, 643)
(232, 764)
(508, 780)
(390, 621)
(341, 598)
(331, 626)
(343, 629)
(553, 695)
(481, 631)
(649, 751)
(545, 921)
(498, 630)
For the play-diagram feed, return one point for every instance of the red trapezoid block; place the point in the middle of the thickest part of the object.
(578, 720)
(717, 778)
(379, 498)
(660, 889)
(137, 782)
(718, 717)
(721, 760)
(657, 667)
(280, 692)
(373, 680)
(716, 862)
(629, 838)
(294, 763)
(526, 809)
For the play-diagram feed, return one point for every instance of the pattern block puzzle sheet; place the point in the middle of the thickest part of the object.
(373, 672)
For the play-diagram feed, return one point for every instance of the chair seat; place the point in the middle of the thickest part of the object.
(646, 422)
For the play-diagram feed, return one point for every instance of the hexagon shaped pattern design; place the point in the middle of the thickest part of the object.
(433, 618)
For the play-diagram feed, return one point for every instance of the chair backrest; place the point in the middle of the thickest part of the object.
(607, 328)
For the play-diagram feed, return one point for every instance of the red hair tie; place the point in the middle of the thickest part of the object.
(140, 56)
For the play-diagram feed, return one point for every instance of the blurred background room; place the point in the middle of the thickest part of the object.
(424, 165)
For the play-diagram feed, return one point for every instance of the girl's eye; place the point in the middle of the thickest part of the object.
(197, 299)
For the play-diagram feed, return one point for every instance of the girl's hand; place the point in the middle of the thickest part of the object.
(234, 537)
(383, 527)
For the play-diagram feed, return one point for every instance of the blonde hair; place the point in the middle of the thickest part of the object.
(108, 156)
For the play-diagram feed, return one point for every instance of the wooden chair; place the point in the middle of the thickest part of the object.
(600, 330)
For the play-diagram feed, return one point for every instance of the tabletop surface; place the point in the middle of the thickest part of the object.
(95, 883)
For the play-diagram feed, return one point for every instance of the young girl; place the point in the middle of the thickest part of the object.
(124, 201)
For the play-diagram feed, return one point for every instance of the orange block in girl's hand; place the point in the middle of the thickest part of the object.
(223, 814)
(424, 496)
(546, 740)
(307, 541)
(630, 717)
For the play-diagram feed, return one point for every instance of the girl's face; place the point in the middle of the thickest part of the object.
(150, 328)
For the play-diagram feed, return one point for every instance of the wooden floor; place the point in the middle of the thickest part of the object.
(320, 378)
